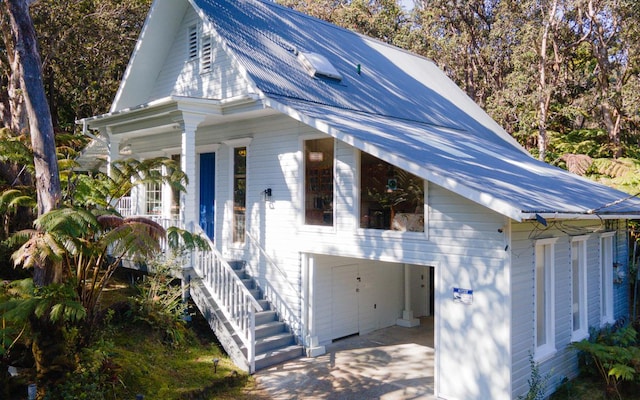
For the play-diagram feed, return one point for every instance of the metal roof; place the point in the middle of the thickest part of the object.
(402, 108)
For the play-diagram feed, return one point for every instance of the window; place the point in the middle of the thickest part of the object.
(318, 196)
(606, 278)
(175, 193)
(579, 322)
(390, 198)
(154, 197)
(544, 298)
(192, 40)
(206, 56)
(239, 193)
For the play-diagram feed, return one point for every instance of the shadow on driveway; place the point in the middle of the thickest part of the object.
(390, 363)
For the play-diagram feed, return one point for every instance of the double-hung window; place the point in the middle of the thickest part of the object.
(606, 278)
(544, 283)
(579, 317)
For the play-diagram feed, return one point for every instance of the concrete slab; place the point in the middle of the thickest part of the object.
(388, 364)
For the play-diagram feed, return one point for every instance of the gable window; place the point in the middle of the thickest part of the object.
(192, 42)
(606, 278)
(206, 54)
(390, 198)
(239, 193)
(318, 196)
(579, 322)
(544, 299)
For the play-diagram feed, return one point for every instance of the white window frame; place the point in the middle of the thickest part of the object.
(387, 232)
(606, 278)
(546, 249)
(303, 184)
(232, 145)
(579, 288)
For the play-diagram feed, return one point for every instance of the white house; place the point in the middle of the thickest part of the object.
(350, 185)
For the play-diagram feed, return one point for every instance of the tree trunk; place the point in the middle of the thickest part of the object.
(49, 344)
(27, 66)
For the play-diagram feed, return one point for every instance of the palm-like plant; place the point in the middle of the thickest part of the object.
(85, 247)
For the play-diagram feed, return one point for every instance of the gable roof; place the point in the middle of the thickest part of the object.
(401, 108)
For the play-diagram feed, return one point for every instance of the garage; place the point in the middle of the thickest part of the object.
(352, 296)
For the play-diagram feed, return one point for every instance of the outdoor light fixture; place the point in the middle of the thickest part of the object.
(215, 365)
(267, 194)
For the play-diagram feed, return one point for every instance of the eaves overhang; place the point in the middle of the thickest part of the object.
(171, 108)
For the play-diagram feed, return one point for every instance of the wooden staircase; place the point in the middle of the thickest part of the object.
(274, 341)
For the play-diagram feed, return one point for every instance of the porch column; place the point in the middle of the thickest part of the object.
(188, 200)
(114, 151)
(407, 319)
(313, 347)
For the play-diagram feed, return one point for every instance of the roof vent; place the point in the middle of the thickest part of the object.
(318, 65)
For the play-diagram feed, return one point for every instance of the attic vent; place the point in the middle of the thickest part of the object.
(318, 65)
(206, 56)
(193, 42)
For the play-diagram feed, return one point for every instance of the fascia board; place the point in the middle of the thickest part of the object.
(151, 50)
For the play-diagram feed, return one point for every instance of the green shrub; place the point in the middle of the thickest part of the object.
(159, 302)
(612, 354)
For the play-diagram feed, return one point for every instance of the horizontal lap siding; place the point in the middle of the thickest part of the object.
(181, 76)
(564, 362)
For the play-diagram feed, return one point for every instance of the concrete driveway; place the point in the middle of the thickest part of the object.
(391, 363)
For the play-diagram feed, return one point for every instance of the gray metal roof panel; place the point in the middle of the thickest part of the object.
(402, 107)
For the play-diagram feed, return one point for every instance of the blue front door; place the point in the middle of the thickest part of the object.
(207, 192)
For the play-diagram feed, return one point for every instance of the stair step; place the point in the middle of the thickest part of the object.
(249, 283)
(255, 292)
(264, 317)
(271, 328)
(278, 356)
(266, 305)
(274, 342)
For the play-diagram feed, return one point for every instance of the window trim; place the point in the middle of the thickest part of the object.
(582, 331)
(548, 349)
(607, 309)
(303, 183)
(386, 233)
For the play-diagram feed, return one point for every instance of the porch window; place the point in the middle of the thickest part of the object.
(175, 194)
(606, 278)
(544, 299)
(239, 193)
(579, 322)
(390, 198)
(154, 198)
(318, 198)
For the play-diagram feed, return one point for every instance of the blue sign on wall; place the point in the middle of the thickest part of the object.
(464, 296)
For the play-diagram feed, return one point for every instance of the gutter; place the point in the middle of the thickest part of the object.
(585, 215)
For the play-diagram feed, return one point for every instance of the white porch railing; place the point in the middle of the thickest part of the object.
(279, 303)
(234, 299)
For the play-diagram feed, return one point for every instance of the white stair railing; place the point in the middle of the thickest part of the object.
(281, 304)
(236, 302)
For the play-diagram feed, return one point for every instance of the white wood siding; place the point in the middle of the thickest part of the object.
(564, 362)
(181, 76)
